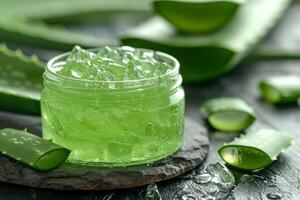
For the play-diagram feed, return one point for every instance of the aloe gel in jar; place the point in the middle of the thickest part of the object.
(114, 106)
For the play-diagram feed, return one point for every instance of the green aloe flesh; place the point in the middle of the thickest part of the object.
(204, 57)
(20, 82)
(280, 89)
(255, 150)
(199, 16)
(42, 35)
(70, 10)
(31, 150)
(228, 114)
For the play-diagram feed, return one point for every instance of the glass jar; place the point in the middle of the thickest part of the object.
(114, 123)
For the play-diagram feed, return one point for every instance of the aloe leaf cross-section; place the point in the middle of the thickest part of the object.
(31, 150)
(197, 16)
(256, 149)
(228, 114)
(280, 89)
(204, 57)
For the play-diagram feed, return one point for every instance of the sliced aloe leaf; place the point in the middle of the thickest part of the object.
(280, 89)
(208, 56)
(20, 82)
(228, 114)
(31, 150)
(255, 150)
(68, 11)
(42, 35)
(198, 16)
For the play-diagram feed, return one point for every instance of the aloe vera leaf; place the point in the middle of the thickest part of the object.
(42, 35)
(274, 53)
(20, 82)
(199, 16)
(31, 150)
(70, 10)
(255, 150)
(208, 56)
(228, 114)
(280, 89)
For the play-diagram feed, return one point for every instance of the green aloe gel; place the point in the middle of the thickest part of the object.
(114, 106)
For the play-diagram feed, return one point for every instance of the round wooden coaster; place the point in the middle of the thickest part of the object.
(76, 177)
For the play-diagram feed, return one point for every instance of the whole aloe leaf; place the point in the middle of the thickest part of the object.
(205, 57)
(198, 16)
(20, 82)
(42, 35)
(70, 10)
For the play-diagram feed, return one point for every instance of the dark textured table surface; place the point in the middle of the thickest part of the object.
(282, 177)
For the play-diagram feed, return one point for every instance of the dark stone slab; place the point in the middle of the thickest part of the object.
(76, 177)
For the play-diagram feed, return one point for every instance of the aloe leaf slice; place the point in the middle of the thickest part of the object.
(208, 56)
(70, 11)
(198, 16)
(20, 82)
(280, 89)
(31, 150)
(228, 114)
(42, 35)
(255, 150)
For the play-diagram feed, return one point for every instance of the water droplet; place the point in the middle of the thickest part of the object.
(5, 134)
(153, 193)
(184, 195)
(274, 196)
(202, 178)
(221, 175)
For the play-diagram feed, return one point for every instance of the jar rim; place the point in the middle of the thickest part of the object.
(162, 55)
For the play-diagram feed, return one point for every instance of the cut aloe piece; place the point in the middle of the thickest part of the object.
(70, 10)
(198, 16)
(255, 150)
(228, 114)
(20, 82)
(42, 35)
(280, 89)
(32, 150)
(208, 56)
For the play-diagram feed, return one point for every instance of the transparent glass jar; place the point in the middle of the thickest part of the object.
(114, 123)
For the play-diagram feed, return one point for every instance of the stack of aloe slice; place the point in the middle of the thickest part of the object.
(204, 57)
